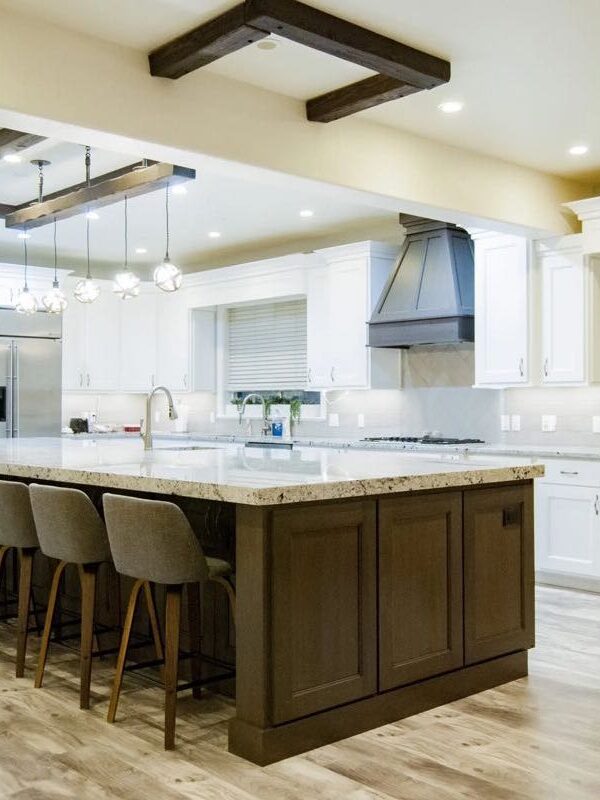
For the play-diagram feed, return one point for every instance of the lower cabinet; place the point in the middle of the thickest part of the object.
(498, 572)
(420, 587)
(324, 620)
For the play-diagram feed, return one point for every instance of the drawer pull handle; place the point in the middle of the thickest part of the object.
(546, 368)
(522, 368)
(596, 509)
(568, 472)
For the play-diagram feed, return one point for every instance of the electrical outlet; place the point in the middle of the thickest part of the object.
(548, 422)
(360, 420)
(515, 422)
(595, 424)
(333, 420)
(504, 422)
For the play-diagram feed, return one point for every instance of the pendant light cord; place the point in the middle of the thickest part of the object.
(126, 264)
(55, 256)
(167, 221)
(25, 270)
(87, 237)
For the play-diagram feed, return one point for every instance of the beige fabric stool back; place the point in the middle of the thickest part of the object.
(68, 526)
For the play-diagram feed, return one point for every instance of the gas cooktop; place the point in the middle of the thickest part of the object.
(435, 440)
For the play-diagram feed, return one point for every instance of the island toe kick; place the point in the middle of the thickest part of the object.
(355, 613)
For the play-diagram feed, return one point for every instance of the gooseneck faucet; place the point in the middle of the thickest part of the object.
(147, 434)
(265, 428)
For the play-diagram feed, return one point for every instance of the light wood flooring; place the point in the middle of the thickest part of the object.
(536, 739)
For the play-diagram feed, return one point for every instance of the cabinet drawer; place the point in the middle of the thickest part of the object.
(572, 471)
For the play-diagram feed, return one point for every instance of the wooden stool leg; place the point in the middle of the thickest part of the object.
(194, 607)
(25, 574)
(158, 646)
(230, 593)
(87, 577)
(122, 657)
(173, 619)
(39, 674)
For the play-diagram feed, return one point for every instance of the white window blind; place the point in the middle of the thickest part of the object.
(267, 346)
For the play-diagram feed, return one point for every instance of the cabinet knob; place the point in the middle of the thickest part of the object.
(333, 374)
(521, 367)
(596, 509)
(546, 368)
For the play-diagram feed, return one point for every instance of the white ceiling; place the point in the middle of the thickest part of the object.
(528, 71)
(256, 218)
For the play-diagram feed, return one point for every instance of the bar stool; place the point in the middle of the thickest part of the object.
(153, 542)
(17, 530)
(70, 530)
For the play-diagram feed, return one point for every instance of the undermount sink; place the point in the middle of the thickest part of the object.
(182, 448)
(270, 443)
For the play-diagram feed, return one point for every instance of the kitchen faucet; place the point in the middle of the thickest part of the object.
(266, 428)
(147, 434)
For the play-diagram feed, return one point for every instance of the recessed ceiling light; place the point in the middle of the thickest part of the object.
(141, 250)
(92, 215)
(578, 150)
(179, 188)
(451, 106)
(267, 44)
(23, 235)
(214, 235)
(12, 158)
(306, 212)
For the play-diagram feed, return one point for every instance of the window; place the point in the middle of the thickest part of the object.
(266, 346)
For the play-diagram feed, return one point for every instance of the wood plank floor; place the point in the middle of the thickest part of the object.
(535, 739)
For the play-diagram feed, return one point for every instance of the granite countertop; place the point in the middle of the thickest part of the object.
(232, 473)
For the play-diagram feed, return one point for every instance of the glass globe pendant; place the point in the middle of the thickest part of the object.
(54, 301)
(167, 276)
(126, 283)
(26, 302)
(87, 290)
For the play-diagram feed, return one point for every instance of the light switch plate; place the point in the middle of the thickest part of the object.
(504, 422)
(360, 420)
(595, 424)
(333, 420)
(548, 422)
(515, 422)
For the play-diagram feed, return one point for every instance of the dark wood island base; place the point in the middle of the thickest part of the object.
(356, 613)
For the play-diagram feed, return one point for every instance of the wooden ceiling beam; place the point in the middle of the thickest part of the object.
(357, 97)
(103, 190)
(16, 141)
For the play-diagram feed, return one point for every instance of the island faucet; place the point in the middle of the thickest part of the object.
(265, 427)
(147, 434)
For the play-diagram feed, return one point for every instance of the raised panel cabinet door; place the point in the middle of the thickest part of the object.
(420, 588)
(501, 310)
(498, 571)
(563, 319)
(324, 618)
(567, 527)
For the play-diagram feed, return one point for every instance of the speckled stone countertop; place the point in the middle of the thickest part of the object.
(254, 476)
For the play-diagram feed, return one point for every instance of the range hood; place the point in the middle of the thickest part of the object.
(429, 296)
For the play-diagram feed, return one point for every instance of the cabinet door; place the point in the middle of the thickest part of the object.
(102, 341)
(318, 354)
(420, 588)
(567, 529)
(498, 571)
(563, 319)
(324, 607)
(501, 310)
(348, 353)
(173, 346)
(137, 353)
(74, 375)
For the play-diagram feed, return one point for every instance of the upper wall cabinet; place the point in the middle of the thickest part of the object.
(137, 352)
(502, 301)
(341, 294)
(173, 341)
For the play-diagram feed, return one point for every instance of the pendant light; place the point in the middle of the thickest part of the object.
(167, 276)
(86, 290)
(54, 301)
(126, 283)
(26, 302)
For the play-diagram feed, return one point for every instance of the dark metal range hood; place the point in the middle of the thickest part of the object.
(429, 296)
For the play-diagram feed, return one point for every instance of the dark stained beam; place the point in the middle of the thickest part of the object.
(16, 141)
(103, 191)
(5, 209)
(337, 37)
(357, 97)
(202, 45)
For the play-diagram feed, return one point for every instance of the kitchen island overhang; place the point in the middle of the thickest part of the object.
(402, 583)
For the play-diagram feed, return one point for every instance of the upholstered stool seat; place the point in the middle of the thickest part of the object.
(153, 542)
(17, 530)
(70, 530)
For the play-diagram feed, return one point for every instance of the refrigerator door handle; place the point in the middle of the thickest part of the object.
(9, 393)
(15, 399)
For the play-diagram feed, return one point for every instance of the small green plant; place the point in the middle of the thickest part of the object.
(295, 409)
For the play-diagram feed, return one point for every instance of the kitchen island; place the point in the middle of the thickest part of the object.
(370, 585)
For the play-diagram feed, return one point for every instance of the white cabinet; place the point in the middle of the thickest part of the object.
(501, 310)
(173, 345)
(568, 529)
(341, 293)
(204, 347)
(74, 367)
(138, 346)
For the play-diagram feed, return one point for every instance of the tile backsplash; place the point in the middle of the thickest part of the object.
(574, 409)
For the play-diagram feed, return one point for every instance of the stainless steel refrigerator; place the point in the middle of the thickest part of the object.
(30, 374)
